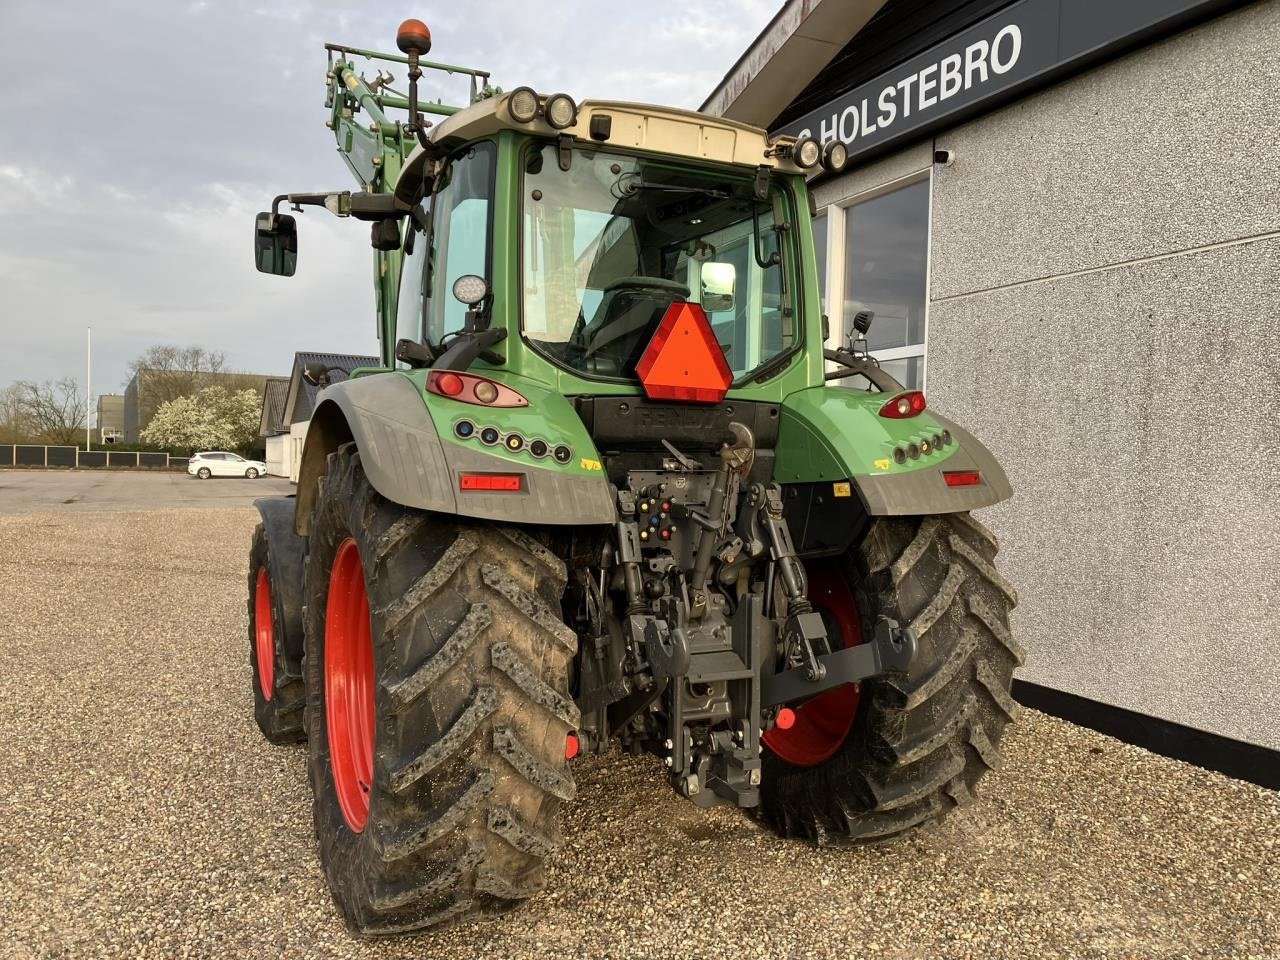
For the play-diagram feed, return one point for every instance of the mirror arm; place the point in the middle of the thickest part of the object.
(298, 200)
(467, 347)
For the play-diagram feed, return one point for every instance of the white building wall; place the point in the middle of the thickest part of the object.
(297, 436)
(278, 455)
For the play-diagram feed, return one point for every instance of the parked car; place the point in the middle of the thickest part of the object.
(219, 463)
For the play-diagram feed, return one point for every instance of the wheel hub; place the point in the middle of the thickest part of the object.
(264, 634)
(348, 685)
(819, 726)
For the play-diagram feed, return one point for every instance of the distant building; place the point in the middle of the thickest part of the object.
(272, 424)
(285, 427)
(152, 387)
(110, 418)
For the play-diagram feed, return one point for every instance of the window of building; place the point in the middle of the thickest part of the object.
(880, 262)
(820, 248)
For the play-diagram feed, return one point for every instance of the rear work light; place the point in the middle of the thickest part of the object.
(492, 482)
(962, 478)
(469, 388)
(904, 405)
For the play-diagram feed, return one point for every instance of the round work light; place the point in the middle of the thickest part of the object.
(807, 152)
(560, 110)
(834, 156)
(470, 289)
(522, 104)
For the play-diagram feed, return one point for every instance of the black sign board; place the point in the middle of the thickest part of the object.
(1028, 43)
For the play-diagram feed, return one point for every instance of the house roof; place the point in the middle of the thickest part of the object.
(274, 395)
(301, 400)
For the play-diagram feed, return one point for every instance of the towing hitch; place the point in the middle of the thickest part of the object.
(892, 648)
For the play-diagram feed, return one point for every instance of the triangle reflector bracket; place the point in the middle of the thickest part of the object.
(683, 361)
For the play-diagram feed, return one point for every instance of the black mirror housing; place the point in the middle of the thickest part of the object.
(275, 244)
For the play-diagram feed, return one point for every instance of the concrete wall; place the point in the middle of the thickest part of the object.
(1105, 313)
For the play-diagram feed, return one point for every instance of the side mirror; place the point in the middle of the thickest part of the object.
(275, 244)
(719, 281)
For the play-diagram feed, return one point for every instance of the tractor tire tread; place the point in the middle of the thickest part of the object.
(473, 708)
(923, 737)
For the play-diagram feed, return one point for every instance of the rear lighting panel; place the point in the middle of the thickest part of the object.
(470, 388)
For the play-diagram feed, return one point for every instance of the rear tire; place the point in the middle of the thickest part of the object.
(920, 740)
(470, 683)
(204, 473)
(278, 697)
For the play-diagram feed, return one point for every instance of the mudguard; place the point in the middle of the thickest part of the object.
(408, 462)
(834, 434)
(285, 553)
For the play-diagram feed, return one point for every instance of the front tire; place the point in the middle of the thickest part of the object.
(914, 744)
(251, 473)
(460, 713)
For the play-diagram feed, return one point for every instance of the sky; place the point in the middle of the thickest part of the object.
(138, 138)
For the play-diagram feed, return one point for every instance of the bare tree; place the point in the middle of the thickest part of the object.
(172, 371)
(54, 411)
(15, 424)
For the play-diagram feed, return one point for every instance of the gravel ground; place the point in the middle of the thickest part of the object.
(142, 815)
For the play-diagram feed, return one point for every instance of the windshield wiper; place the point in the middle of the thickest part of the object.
(767, 369)
(629, 184)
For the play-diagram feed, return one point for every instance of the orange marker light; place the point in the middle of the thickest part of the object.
(413, 36)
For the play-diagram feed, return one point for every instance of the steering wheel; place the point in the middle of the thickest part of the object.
(647, 283)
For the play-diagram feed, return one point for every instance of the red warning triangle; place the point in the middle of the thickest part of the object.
(683, 360)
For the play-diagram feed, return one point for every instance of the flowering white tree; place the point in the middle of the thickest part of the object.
(213, 419)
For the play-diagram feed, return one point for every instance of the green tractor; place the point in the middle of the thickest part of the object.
(608, 485)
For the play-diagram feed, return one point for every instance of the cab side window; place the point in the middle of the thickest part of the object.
(462, 224)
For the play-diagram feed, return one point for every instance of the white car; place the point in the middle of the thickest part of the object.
(219, 463)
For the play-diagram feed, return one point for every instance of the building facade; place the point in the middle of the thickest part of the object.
(1065, 215)
(110, 418)
(149, 388)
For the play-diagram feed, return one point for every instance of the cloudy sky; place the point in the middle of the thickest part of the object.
(139, 137)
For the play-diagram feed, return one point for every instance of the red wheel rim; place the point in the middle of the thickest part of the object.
(822, 724)
(348, 685)
(264, 634)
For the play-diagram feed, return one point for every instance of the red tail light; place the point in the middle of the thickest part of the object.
(962, 478)
(492, 482)
(469, 388)
(904, 405)
(683, 360)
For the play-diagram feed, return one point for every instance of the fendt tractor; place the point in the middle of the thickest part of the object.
(607, 485)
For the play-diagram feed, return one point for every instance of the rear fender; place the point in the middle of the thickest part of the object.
(407, 461)
(285, 556)
(832, 435)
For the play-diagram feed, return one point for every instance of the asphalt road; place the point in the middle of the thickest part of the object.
(30, 491)
(141, 814)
